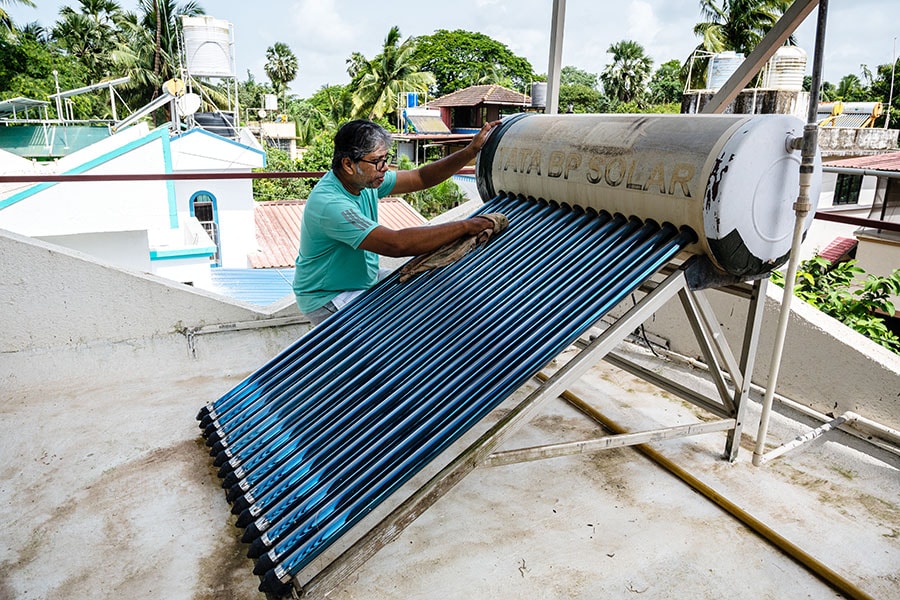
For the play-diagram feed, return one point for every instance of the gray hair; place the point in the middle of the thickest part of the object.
(356, 139)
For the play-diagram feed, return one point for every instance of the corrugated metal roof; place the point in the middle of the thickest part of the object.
(888, 161)
(316, 439)
(255, 286)
(481, 94)
(278, 228)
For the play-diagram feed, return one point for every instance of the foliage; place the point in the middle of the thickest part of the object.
(667, 83)
(279, 161)
(623, 78)
(7, 28)
(575, 76)
(582, 99)
(281, 67)
(318, 155)
(382, 79)
(737, 25)
(459, 59)
(435, 200)
(836, 291)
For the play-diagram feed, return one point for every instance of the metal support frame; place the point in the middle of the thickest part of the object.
(729, 406)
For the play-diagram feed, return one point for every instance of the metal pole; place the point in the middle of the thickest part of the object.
(887, 117)
(557, 27)
(807, 145)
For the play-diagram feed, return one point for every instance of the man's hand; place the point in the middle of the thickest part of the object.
(481, 137)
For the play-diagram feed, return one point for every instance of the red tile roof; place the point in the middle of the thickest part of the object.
(838, 248)
(887, 161)
(481, 94)
(278, 228)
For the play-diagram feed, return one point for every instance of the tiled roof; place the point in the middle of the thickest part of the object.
(838, 248)
(888, 161)
(278, 228)
(481, 94)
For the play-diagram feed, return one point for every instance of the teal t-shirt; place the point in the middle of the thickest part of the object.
(335, 222)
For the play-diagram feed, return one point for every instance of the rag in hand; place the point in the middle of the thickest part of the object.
(453, 251)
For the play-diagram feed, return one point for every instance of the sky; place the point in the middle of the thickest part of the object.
(323, 33)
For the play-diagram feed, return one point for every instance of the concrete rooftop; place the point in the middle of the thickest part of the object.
(108, 492)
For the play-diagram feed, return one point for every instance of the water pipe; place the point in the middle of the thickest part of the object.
(807, 146)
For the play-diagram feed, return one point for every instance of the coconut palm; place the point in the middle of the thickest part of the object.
(737, 25)
(90, 34)
(281, 68)
(6, 24)
(387, 75)
(624, 78)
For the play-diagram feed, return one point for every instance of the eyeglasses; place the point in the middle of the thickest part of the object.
(379, 163)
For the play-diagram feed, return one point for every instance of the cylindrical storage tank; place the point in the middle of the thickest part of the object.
(539, 94)
(731, 178)
(785, 70)
(721, 67)
(207, 46)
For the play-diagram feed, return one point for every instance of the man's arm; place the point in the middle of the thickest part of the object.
(433, 173)
(413, 241)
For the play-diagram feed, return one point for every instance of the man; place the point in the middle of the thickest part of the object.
(340, 238)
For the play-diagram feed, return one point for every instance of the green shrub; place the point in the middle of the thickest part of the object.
(836, 291)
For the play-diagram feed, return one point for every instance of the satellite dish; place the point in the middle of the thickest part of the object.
(187, 104)
(173, 87)
(262, 113)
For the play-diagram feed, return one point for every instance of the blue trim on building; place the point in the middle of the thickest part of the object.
(206, 251)
(159, 133)
(200, 131)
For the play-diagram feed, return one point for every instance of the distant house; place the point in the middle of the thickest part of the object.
(871, 183)
(466, 110)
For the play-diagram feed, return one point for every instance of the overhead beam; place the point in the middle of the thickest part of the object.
(786, 25)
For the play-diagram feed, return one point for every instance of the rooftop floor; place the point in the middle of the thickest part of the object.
(108, 492)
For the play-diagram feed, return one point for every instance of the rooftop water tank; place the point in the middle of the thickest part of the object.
(539, 94)
(208, 46)
(721, 67)
(785, 70)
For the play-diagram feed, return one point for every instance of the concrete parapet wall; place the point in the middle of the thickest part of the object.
(825, 364)
(68, 319)
(852, 141)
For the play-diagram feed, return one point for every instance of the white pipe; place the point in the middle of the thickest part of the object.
(802, 439)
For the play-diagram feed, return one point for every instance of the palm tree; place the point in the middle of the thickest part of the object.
(148, 54)
(90, 35)
(281, 67)
(387, 75)
(737, 25)
(6, 24)
(624, 77)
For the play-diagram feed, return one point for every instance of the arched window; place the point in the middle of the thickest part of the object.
(203, 207)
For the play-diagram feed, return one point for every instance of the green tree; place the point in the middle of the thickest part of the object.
(575, 76)
(623, 79)
(881, 91)
(384, 77)
(435, 200)
(851, 89)
(281, 68)
(279, 161)
(737, 25)
(582, 99)
(667, 83)
(459, 59)
(7, 27)
(847, 293)
(90, 34)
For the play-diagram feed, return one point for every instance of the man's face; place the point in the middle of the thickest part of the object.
(370, 169)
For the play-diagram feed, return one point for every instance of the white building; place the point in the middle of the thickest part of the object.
(175, 229)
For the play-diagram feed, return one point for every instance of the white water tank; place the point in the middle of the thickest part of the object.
(721, 67)
(539, 94)
(785, 70)
(208, 46)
